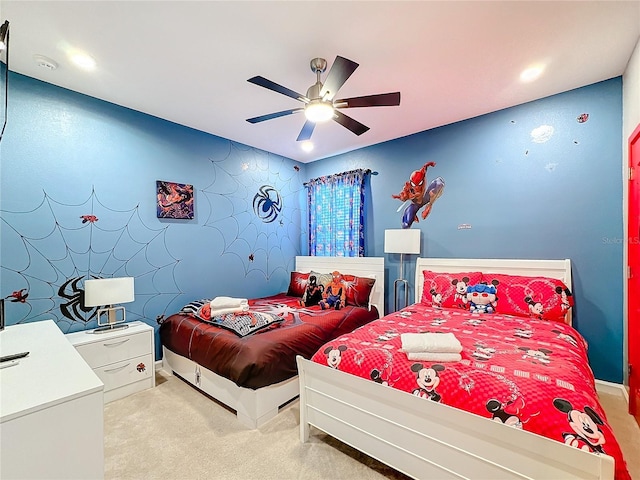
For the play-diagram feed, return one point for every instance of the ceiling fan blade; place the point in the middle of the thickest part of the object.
(268, 84)
(349, 123)
(341, 70)
(379, 100)
(269, 116)
(307, 130)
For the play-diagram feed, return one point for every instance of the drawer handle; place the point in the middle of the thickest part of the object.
(117, 369)
(116, 344)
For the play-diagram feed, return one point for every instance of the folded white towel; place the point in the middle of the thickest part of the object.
(434, 356)
(430, 342)
(229, 302)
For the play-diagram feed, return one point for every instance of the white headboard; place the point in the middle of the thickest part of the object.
(560, 269)
(359, 266)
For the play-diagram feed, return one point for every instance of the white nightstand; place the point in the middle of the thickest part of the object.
(122, 359)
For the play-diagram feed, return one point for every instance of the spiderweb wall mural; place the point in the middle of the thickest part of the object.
(255, 206)
(56, 246)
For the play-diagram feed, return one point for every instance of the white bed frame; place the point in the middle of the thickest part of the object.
(255, 407)
(424, 439)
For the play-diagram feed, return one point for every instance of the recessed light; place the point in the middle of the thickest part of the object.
(84, 61)
(307, 146)
(532, 73)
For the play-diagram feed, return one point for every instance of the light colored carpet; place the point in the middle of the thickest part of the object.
(626, 430)
(175, 432)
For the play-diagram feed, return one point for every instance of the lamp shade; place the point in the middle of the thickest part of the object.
(108, 291)
(402, 241)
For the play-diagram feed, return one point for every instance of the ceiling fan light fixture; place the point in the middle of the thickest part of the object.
(318, 111)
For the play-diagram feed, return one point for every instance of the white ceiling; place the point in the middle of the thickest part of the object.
(188, 62)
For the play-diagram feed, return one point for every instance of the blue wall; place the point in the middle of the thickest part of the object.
(559, 198)
(65, 155)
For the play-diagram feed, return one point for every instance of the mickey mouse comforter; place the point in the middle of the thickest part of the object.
(526, 373)
(267, 355)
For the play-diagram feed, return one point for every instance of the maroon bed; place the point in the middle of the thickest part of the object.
(267, 356)
(252, 368)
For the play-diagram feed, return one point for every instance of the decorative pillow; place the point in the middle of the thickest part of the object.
(241, 323)
(298, 284)
(449, 290)
(358, 290)
(192, 308)
(539, 297)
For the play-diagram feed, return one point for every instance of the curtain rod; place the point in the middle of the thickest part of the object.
(366, 171)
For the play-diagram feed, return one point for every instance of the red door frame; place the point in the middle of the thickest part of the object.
(633, 278)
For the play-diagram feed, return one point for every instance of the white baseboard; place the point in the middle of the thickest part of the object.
(611, 388)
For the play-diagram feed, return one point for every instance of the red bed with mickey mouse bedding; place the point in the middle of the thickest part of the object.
(525, 368)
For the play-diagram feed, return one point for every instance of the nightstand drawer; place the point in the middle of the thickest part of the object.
(125, 372)
(110, 350)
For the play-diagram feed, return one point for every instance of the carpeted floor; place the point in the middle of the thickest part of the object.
(175, 432)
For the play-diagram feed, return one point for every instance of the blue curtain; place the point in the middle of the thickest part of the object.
(336, 215)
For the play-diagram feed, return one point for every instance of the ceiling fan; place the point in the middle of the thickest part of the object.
(319, 103)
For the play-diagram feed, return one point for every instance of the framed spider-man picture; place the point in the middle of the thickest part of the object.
(175, 200)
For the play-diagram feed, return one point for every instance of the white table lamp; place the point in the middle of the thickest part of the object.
(402, 241)
(105, 293)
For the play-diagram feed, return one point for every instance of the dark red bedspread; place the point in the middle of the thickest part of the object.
(526, 373)
(268, 356)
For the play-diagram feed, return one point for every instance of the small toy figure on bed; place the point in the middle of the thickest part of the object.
(482, 298)
(334, 293)
(313, 293)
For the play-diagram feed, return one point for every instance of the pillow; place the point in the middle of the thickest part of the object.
(358, 290)
(539, 297)
(192, 308)
(241, 323)
(298, 284)
(443, 289)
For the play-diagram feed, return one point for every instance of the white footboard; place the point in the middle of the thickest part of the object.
(424, 439)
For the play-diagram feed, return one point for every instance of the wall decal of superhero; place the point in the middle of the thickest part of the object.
(418, 194)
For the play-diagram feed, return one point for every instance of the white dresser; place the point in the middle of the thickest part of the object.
(122, 358)
(51, 408)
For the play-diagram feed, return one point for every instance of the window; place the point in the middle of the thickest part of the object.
(336, 214)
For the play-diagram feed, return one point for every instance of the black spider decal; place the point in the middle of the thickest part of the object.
(74, 308)
(267, 203)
